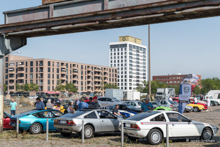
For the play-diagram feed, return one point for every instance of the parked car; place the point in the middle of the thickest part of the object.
(196, 107)
(54, 101)
(199, 103)
(136, 104)
(188, 109)
(108, 101)
(95, 121)
(213, 103)
(35, 120)
(152, 125)
(168, 103)
(163, 108)
(176, 99)
(125, 110)
(6, 121)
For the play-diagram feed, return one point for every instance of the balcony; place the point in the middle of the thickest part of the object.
(97, 90)
(106, 80)
(11, 78)
(20, 71)
(97, 85)
(63, 71)
(63, 78)
(89, 79)
(75, 67)
(63, 66)
(89, 74)
(96, 79)
(89, 90)
(20, 65)
(97, 69)
(75, 73)
(11, 70)
(97, 75)
(20, 77)
(76, 84)
(75, 78)
(89, 84)
(89, 69)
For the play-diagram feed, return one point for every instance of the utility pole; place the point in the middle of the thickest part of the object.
(149, 67)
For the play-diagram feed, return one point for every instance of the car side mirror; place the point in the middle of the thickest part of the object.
(190, 120)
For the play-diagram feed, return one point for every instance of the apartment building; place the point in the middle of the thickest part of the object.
(129, 57)
(172, 79)
(89, 79)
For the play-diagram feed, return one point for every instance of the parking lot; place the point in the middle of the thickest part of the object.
(8, 139)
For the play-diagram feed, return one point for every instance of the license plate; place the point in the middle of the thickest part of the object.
(62, 122)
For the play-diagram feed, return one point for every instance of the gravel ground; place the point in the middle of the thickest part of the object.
(8, 138)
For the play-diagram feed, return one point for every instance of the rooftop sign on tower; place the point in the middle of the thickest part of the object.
(130, 39)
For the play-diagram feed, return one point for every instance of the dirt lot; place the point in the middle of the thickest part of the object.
(8, 138)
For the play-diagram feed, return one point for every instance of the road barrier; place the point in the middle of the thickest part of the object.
(83, 131)
(122, 133)
(47, 129)
(17, 126)
(167, 135)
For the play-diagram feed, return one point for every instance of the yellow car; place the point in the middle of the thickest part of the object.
(196, 107)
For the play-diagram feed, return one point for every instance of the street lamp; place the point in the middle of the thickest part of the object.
(149, 70)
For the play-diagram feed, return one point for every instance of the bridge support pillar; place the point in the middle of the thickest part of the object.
(7, 45)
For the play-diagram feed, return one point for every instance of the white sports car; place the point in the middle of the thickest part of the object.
(152, 125)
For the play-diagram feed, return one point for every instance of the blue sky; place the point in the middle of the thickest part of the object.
(190, 46)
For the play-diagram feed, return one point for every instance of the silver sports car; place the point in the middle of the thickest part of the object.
(95, 121)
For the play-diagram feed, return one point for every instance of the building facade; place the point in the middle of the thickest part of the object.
(172, 79)
(129, 57)
(48, 73)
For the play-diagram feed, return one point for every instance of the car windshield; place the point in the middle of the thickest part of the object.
(110, 107)
(73, 115)
(117, 100)
(139, 103)
(130, 107)
(25, 113)
(141, 116)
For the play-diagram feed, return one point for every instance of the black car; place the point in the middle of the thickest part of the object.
(126, 107)
(54, 101)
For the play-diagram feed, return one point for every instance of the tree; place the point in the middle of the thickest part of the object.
(210, 84)
(33, 87)
(5, 87)
(70, 87)
(110, 86)
(196, 90)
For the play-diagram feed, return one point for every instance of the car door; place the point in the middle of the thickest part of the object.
(94, 120)
(109, 122)
(109, 102)
(180, 125)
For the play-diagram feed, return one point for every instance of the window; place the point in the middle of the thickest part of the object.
(159, 118)
(102, 99)
(105, 115)
(48, 75)
(31, 63)
(31, 69)
(133, 104)
(36, 63)
(48, 63)
(48, 69)
(175, 117)
(91, 115)
(57, 70)
(31, 76)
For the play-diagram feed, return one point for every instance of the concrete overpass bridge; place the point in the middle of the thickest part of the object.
(70, 16)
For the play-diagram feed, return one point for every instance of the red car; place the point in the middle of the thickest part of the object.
(176, 99)
(205, 105)
(6, 121)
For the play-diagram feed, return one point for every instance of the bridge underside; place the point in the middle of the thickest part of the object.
(114, 18)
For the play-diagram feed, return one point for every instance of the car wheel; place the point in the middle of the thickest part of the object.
(154, 137)
(36, 128)
(123, 116)
(88, 132)
(195, 109)
(207, 134)
(132, 138)
(66, 134)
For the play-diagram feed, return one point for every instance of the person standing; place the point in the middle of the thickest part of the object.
(115, 110)
(96, 104)
(14, 107)
(83, 104)
(171, 98)
(39, 104)
(147, 105)
(70, 108)
(49, 105)
(195, 99)
(90, 103)
(209, 104)
(201, 97)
